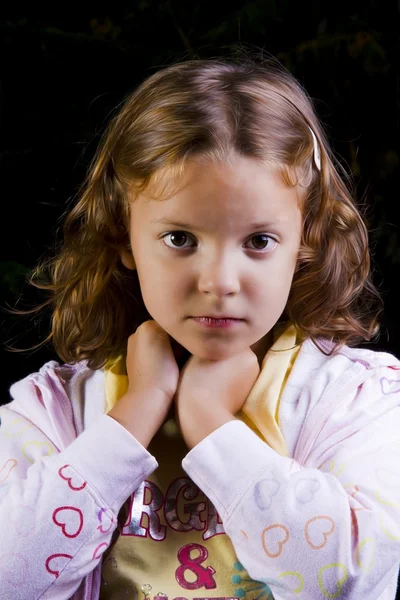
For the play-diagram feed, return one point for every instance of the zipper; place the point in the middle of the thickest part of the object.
(89, 586)
(320, 415)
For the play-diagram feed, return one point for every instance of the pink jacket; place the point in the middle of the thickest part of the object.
(321, 523)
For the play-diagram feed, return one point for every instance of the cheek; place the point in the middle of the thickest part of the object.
(158, 292)
(276, 286)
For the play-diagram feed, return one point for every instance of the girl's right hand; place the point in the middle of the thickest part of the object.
(150, 362)
(153, 374)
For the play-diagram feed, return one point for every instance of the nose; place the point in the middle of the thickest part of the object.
(219, 277)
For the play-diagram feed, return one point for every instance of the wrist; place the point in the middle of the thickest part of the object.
(141, 433)
(197, 424)
(135, 418)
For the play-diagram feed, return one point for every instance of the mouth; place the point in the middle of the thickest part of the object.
(223, 322)
(218, 317)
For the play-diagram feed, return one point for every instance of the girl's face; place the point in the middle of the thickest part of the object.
(225, 244)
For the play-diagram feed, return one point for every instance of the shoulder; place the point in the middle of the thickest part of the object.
(357, 391)
(324, 353)
(52, 377)
(350, 367)
(56, 392)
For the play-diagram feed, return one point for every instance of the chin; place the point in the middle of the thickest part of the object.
(214, 353)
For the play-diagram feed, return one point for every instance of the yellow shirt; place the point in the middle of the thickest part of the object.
(172, 542)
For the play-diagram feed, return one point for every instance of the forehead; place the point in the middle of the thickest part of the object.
(222, 193)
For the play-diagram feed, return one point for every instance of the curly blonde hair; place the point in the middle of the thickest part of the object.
(207, 110)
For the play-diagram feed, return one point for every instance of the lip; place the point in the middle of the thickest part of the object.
(212, 322)
(217, 317)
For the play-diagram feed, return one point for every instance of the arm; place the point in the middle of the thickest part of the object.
(58, 510)
(326, 529)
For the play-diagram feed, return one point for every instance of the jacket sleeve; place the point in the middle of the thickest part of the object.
(327, 528)
(58, 510)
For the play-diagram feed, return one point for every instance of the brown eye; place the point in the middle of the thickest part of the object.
(265, 243)
(176, 238)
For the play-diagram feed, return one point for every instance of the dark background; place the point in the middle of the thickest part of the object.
(63, 70)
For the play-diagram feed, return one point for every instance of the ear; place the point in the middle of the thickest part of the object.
(127, 259)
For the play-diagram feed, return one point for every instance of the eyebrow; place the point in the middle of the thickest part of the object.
(163, 221)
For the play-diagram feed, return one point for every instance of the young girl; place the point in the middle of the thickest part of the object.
(214, 431)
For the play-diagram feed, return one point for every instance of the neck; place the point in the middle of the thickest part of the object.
(261, 347)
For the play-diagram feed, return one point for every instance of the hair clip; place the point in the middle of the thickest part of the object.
(317, 153)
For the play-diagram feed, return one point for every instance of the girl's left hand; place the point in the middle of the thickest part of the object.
(211, 392)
